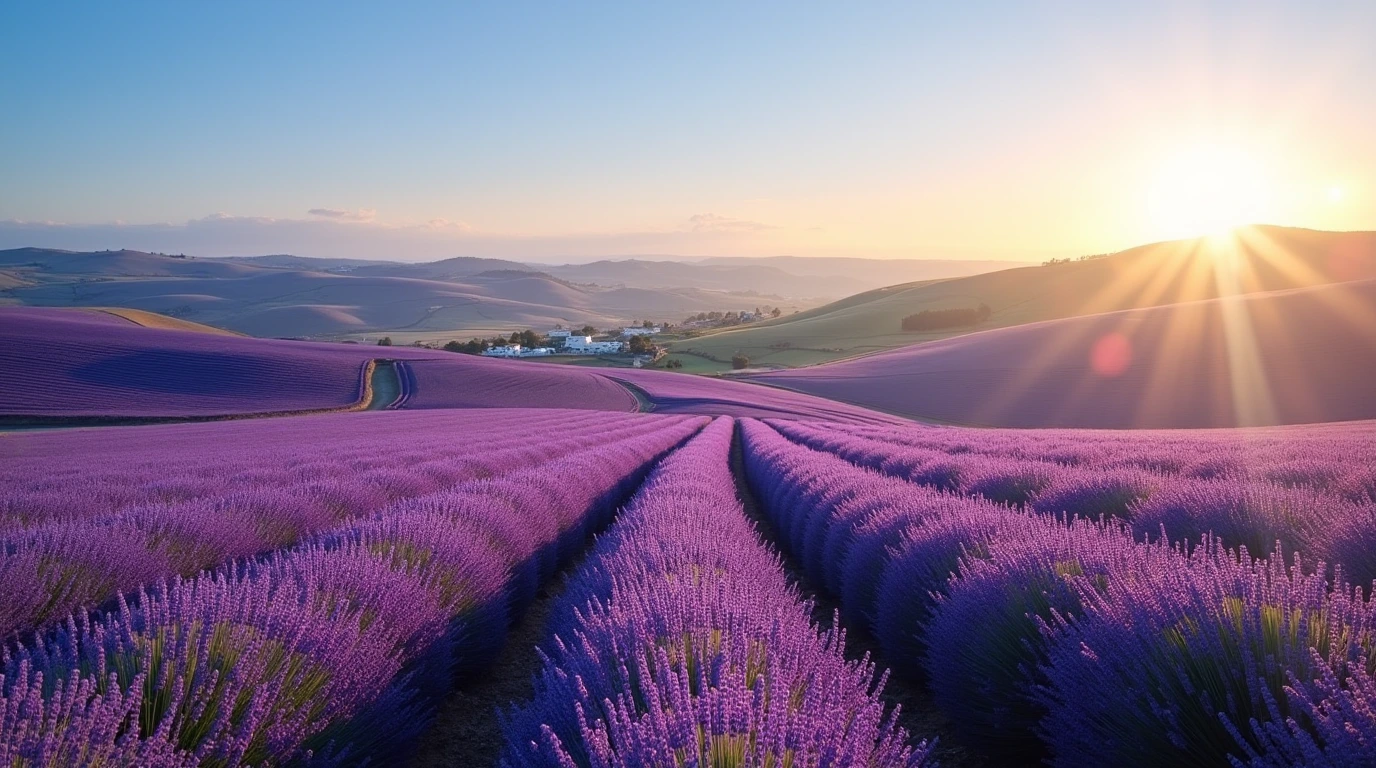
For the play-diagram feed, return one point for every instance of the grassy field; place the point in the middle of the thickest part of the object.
(1256, 259)
(155, 320)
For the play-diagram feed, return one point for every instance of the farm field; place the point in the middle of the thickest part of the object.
(316, 588)
(62, 364)
(655, 385)
(1281, 357)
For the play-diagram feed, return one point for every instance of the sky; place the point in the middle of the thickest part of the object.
(565, 132)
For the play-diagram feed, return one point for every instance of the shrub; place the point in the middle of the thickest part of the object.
(939, 319)
(1251, 515)
(986, 640)
(1212, 659)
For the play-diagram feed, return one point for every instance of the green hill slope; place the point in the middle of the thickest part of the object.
(1260, 258)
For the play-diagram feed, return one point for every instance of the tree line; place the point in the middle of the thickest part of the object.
(940, 319)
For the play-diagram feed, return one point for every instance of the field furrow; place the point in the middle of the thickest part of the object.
(1058, 637)
(681, 641)
(55, 559)
(335, 647)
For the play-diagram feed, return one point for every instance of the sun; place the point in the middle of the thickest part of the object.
(1208, 189)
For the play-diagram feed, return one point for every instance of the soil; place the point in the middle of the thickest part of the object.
(466, 731)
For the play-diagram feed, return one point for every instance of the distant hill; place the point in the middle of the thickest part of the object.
(307, 263)
(872, 273)
(786, 276)
(285, 295)
(1281, 357)
(249, 296)
(47, 263)
(1260, 258)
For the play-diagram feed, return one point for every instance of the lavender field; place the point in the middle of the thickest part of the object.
(60, 364)
(658, 569)
(665, 385)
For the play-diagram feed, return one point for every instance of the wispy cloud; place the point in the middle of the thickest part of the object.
(362, 214)
(718, 224)
(448, 225)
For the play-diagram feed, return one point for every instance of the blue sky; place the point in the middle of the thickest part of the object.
(904, 129)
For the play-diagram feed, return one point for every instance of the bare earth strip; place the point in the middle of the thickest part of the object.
(155, 320)
(466, 731)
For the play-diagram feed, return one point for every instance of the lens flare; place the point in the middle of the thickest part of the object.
(1111, 355)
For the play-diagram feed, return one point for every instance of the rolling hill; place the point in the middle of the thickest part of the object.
(1261, 258)
(62, 364)
(1302, 355)
(269, 300)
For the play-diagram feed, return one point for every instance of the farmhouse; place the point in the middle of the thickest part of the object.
(561, 333)
(516, 350)
(637, 331)
(584, 345)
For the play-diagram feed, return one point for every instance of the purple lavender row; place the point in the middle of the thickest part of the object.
(90, 479)
(56, 567)
(677, 393)
(329, 652)
(1319, 455)
(682, 643)
(56, 362)
(1069, 639)
(79, 473)
(1324, 510)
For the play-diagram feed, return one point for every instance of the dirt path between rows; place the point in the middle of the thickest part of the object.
(919, 715)
(644, 403)
(466, 731)
(386, 385)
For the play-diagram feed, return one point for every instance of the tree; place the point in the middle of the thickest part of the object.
(470, 347)
(739, 361)
(586, 330)
(639, 345)
(385, 341)
(674, 364)
(775, 313)
(938, 319)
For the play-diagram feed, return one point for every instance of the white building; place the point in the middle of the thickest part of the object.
(639, 331)
(516, 350)
(559, 334)
(584, 345)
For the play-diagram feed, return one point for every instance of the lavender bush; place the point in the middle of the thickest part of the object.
(682, 643)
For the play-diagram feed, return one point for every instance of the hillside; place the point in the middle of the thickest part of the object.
(243, 296)
(1261, 258)
(871, 273)
(1283, 357)
(65, 363)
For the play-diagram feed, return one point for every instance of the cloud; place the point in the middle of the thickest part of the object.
(717, 224)
(362, 214)
(448, 224)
